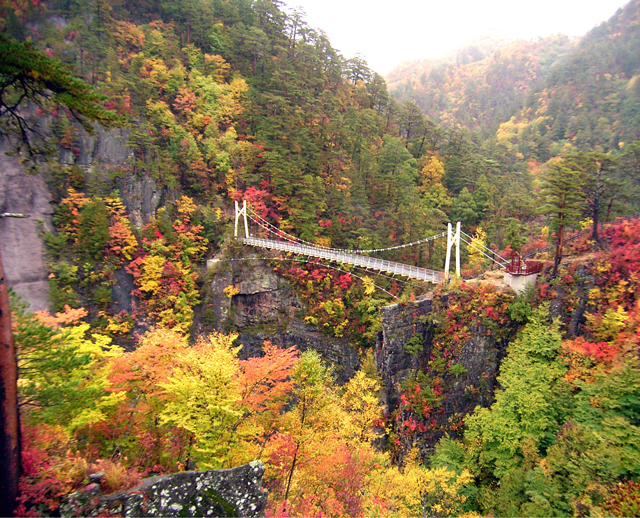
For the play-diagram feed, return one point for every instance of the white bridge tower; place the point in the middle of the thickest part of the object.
(452, 239)
(241, 212)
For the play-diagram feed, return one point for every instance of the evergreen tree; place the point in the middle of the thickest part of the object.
(600, 189)
(28, 75)
(464, 209)
(561, 200)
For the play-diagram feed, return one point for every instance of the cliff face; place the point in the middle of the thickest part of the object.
(434, 376)
(262, 307)
(20, 243)
(21, 246)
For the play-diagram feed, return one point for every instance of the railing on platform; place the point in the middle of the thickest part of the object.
(519, 266)
(382, 265)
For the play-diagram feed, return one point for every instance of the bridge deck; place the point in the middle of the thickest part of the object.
(413, 272)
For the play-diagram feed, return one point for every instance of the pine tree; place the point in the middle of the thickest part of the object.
(28, 75)
(560, 193)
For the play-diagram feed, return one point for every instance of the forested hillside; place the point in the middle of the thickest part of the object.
(481, 86)
(131, 373)
(538, 96)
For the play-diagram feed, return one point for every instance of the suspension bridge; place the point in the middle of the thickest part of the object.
(287, 243)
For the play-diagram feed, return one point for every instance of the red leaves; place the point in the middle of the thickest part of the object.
(344, 281)
(259, 199)
(49, 470)
(601, 351)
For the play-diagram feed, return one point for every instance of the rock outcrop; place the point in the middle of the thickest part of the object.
(21, 246)
(474, 381)
(262, 307)
(229, 492)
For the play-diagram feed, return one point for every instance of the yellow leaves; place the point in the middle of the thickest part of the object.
(160, 113)
(586, 224)
(433, 492)
(151, 268)
(217, 67)
(369, 287)
(156, 71)
(362, 409)
(202, 397)
(323, 241)
(431, 173)
(608, 326)
(231, 290)
(476, 258)
(186, 207)
(309, 319)
(333, 307)
(231, 100)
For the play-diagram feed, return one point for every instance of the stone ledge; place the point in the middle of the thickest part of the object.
(228, 492)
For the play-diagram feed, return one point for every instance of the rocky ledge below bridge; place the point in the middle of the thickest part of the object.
(228, 492)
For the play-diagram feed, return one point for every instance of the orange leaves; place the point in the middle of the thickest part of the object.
(67, 317)
(265, 381)
(600, 351)
(153, 361)
(122, 241)
(186, 101)
(68, 217)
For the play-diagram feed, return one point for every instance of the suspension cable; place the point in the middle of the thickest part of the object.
(486, 248)
(483, 253)
(278, 231)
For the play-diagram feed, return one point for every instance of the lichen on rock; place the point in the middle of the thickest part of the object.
(228, 492)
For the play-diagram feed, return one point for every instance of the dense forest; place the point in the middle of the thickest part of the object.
(527, 144)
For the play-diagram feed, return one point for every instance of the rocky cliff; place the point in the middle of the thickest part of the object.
(21, 246)
(439, 359)
(260, 305)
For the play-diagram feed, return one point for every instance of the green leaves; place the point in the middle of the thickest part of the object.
(63, 372)
(28, 75)
(529, 409)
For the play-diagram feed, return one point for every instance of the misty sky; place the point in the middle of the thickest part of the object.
(389, 32)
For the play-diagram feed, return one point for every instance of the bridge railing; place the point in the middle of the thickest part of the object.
(414, 272)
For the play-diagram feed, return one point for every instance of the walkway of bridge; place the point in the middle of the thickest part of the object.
(346, 257)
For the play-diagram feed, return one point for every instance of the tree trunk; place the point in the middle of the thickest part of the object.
(558, 258)
(293, 467)
(9, 417)
(594, 231)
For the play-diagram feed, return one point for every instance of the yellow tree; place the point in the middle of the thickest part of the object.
(362, 409)
(477, 258)
(434, 492)
(431, 173)
(203, 399)
(413, 490)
